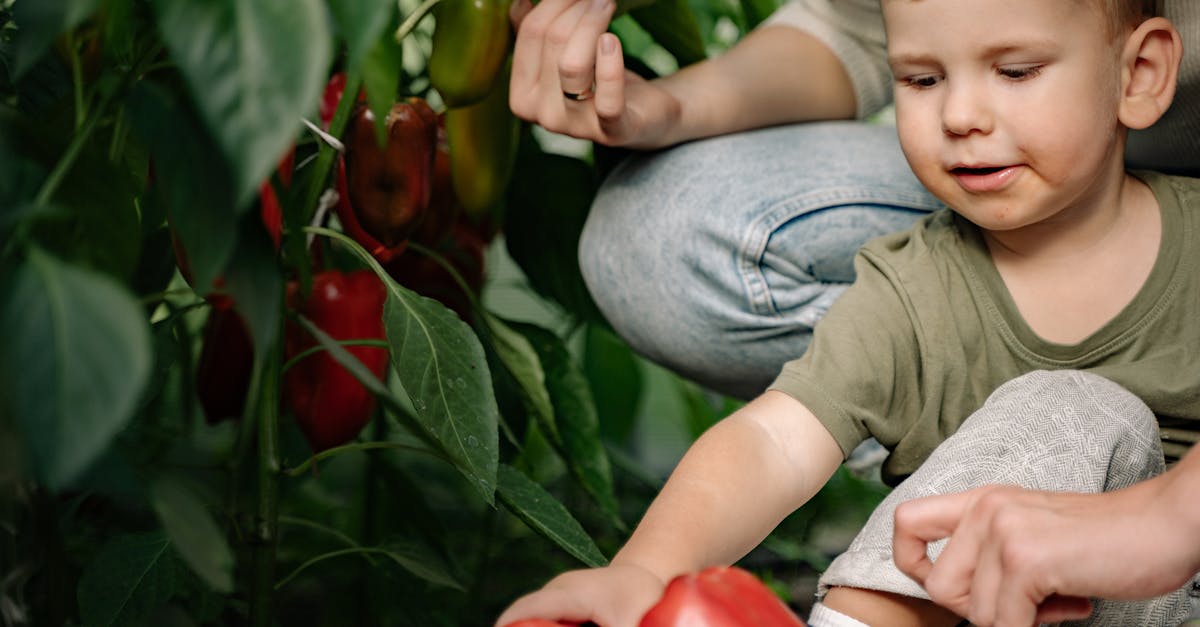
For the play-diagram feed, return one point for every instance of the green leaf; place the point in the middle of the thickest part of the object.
(76, 356)
(548, 203)
(545, 515)
(442, 368)
(190, 178)
(362, 23)
(40, 22)
(581, 447)
(615, 376)
(255, 282)
(129, 578)
(193, 531)
(254, 69)
(673, 25)
(521, 361)
(381, 79)
(422, 561)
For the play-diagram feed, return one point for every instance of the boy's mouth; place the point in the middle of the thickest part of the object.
(982, 171)
(981, 179)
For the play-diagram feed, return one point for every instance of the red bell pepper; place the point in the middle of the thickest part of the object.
(226, 361)
(387, 189)
(721, 596)
(330, 406)
(463, 250)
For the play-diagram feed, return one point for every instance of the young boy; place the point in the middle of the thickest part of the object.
(1014, 113)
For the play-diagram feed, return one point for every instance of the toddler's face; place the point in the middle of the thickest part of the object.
(1007, 109)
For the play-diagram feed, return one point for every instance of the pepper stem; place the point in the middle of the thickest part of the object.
(265, 537)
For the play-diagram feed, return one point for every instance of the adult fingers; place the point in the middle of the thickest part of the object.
(517, 12)
(534, 24)
(610, 86)
(1057, 608)
(919, 522)
(577, 61)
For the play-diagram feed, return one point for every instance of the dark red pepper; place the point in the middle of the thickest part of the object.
(721, 596)
(330, 406)
(463, 250)
(226, 361)
(388, 188)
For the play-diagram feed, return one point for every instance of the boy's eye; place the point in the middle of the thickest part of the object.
(1019, 72)
(923, 81)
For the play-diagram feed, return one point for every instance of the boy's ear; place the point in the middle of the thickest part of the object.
(1149, 71)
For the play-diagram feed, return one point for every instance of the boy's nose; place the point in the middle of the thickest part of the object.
(966, 109)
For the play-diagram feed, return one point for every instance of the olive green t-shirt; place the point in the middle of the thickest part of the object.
(929, 330)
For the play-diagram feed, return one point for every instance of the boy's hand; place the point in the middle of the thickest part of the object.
(562, 49)
(613, 596)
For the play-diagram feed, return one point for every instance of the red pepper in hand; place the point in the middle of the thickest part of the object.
(388, 188)
(721, 596)
(330, 406)
(226, 362)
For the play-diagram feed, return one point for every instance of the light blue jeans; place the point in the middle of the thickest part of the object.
(715, 258)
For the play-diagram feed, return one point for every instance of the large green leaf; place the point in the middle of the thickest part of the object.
(190, 178)
(545, 515)
(581, 446)
(255, 282)
(673, 25)
(129, 578)
(547, 206)
(381, 79)
(193, 531)
(75, 357)
(254, 69)
(443, 370)
(518, 357)
(361, 23)
(615, 375)
(40, 22)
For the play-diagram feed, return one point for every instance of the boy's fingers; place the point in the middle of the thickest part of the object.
(577, 61)
(610, 85)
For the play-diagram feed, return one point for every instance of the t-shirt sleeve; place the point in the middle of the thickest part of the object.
(859, 374)
(853, 30)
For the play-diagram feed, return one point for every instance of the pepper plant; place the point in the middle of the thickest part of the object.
(247, 371)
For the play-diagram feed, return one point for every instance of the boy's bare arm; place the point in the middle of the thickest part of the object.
(734, 485)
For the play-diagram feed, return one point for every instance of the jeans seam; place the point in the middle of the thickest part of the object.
(754, 244)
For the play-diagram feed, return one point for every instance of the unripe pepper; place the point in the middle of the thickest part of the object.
(721, 596)
(483, 148)
(387, 188)
(470, 43)
(330, 406)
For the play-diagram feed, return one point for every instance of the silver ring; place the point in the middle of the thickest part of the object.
(579, 97)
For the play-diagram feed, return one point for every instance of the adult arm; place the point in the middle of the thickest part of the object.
(777, 74)
(732, 487)
(1016, 557)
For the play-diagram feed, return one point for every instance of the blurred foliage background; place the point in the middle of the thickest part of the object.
(513, 434)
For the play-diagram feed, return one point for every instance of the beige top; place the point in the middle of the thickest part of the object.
(853, 29)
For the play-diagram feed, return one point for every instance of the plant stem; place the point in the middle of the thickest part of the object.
(413, 19)
(266, 526)
(364, 551)
(357, 446)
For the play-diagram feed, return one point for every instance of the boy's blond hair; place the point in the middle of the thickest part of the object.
(1126, 14)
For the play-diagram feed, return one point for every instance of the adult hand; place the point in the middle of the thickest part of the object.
(1019, 557)
(613, 596)
(563, 48)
